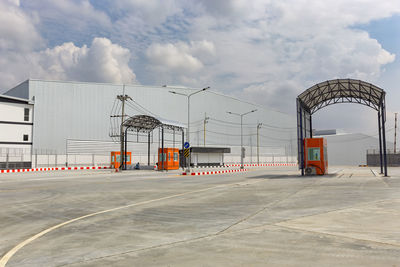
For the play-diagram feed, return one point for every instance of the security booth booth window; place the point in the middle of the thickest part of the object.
(314, 154)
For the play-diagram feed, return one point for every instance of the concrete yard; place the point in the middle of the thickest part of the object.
(268, 216)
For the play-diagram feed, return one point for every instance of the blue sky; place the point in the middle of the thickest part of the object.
(264, 51)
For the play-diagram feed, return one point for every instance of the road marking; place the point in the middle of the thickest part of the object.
(10, 253)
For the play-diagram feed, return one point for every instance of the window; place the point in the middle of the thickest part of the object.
(175, 156)
(26, 137)
(161, 157)
(26, 114)
(314, 153)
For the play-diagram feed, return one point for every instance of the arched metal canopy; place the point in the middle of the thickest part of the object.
(341, 91)
(146, 124)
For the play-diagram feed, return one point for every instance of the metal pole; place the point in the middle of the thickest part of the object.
(380, 140)
(148, 149)
(7, 157)
(188, 134)
(205, 121)
(126, 146)
(258, 142)
(300, 111)
(395, 132)
(241, 141)
(162, 148)
(122, 98)
(183, 147)
(384, 137)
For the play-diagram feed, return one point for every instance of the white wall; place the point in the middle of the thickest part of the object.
(14, 112)
(13, 127)
(350, 149)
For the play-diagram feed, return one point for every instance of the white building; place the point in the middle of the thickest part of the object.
(349, 148)
(72, 122)
(16, 129)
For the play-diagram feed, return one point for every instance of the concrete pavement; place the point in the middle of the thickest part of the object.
(264, 217)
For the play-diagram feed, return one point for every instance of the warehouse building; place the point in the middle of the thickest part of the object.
(349, 148)
(78, 123)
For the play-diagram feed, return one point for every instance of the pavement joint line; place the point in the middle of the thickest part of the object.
(237, 231)
(268, 206)
(336, 235)
(6, 257)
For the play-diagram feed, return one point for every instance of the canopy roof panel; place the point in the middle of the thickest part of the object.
(145, 123)
(341, 91)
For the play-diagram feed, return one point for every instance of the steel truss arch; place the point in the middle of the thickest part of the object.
(337, 91)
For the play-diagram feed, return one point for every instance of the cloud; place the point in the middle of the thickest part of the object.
(17, 30)
(103, 61)
(179, 59)
(263, 50)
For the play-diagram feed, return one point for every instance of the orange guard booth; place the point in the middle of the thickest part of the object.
(315, 155)
(171, 159)
(116, 159)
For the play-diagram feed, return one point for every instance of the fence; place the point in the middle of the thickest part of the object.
(373, 157)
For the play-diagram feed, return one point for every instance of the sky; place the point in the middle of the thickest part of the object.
(263, 51)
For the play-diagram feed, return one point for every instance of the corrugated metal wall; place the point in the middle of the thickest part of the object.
(81, 111)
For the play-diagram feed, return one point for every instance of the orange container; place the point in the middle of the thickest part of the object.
(315, 154)
(171, 159)
(116, 159)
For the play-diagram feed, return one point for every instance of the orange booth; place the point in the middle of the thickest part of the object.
(315, 155)
(116, 159)
(171, 159)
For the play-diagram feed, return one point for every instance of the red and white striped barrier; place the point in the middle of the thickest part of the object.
(214, 172)
(263, 165)
(55, 169)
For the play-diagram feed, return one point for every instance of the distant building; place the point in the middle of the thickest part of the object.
(16, 129)
(72, 123)
(349, 148)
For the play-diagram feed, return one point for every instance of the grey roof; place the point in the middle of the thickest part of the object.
(341, 91)
(146, 123)
(12, 99)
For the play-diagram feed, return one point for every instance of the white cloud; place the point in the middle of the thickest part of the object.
(181, 60)
(22, 55)
(74, 15)
(17, 30)
(263, 50)
(103, 61)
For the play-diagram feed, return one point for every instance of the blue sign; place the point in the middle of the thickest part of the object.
(186, 145)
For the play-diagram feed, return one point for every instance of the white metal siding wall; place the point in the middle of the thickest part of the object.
(73, 110)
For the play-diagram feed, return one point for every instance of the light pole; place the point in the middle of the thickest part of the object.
(188, 115)
(205, 121)
(241, 132)
(258, 142)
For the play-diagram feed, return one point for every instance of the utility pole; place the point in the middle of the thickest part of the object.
(205, 121)
(258, 142)
(395, 131)
(122, 98)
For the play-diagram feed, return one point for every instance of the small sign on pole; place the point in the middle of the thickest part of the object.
(186, 145)
(186, 152)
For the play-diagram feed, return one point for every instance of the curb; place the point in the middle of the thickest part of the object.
(54, 169)
(214, 172)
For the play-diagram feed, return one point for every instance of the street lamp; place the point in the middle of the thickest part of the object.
(241, 132)
(188, 115)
